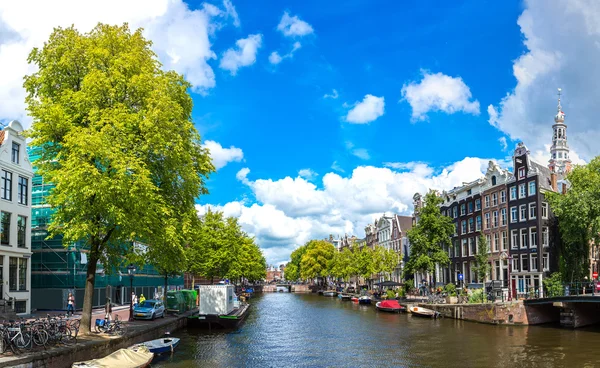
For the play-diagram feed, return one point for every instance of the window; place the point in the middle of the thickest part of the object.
(524, 262)
(6, 185)
(544, 210)
(513, 214)
(522, 191)
(531, 188)
(504, 240)
(521, 172)
(494, 199)
(532, 210)
(514, 238)
(545, 237)
(456, 228)
(488, 239)
(494, 180)
(533, 237)
(4, 228)
(515, 265)
(465, 249)
(469, 192)
(22, 190)
(478, 204)
(503, 216)
(524, 238)
(523, 212)
(22, 273)
(495, 219)
(462, 209)
(470, 207)
(545, 262)
(478, 223)
(456, 248)
(12, 273)
(487, 220)
(463, 226)
(472, 246)
(496, 242)
(443, 212)
(15, 152)
(21, 231)
(487, 201)
(513, 193)
(471, 225)
(454, 212)
(534, 262)
(20, 306)
(503, 196)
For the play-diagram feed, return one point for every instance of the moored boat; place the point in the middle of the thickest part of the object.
(355, 299)
(133, 357)
(391, 306)
(159, 346)
(364, 300)
(218, 307)
(346, 297)
(329, 293)
(424, 312)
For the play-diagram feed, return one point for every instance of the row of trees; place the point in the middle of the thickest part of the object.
(125, 159)
(319, 258)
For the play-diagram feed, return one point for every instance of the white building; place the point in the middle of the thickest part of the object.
(15, 218)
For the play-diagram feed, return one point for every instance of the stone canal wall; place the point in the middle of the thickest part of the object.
(294, 289)
(510, 313)
(94, 347)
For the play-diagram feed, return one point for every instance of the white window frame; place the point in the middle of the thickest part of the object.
(532, 210)
(487, 201)
(503, 196)
(478, 223)
(533, 239)
(495, 199)
(545, 237)
(514, 239)
(478, 207)
(487, 222)
(463, 227)
(505, 240)
(522, 190)
(521, 172)
(514, 215)
(470, 224)
(544, 210)
(531, 185)
(495, 220)
(463, 209)
(532, 257)
(515, 262)
(503, 217)
(496, 242)
(523, 237)
(523, 257)
(545, 262)
(523, 210)
(513, 193)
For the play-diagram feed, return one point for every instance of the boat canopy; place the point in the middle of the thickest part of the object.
(389, 304)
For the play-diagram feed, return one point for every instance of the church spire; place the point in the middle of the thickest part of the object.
(559, 151)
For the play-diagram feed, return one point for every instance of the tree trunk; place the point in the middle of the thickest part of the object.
(193, 281)
(165, 293)
(88, 298)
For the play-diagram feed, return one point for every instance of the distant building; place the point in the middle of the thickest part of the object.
(274, 274)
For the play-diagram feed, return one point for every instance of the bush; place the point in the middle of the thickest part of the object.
(450, 289)
(408, 286)
(391, 294)
(553, 285)
(401, 293)
(476, 296)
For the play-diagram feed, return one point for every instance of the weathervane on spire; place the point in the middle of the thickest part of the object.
(559, 93)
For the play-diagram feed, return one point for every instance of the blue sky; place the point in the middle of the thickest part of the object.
(323, 115)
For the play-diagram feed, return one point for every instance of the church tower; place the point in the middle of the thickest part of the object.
(560, 162)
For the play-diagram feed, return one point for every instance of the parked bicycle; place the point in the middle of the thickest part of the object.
(115, 327)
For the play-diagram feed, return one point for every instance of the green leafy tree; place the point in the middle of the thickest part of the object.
(365, 262)
(118, 144)
(316, 262)
(578, 214)
(482, 266)
(347, 257)
(429, 237)
(293, 268)
(553, 285)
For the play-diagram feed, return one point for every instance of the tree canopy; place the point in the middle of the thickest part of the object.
(578, 214)
(429, 237)
(317, 261)
(482, 266)
(118, 144)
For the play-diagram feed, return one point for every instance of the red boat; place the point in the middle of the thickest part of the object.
(391, 306)
(354, 299)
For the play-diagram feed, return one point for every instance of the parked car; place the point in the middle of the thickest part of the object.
(149, 309)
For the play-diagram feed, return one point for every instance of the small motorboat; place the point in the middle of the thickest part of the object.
(346, 296)
(424, 312)
(329, 293)
(133, 357)
(159, 346)
(364, 300)
(391, 306)
(354, 299)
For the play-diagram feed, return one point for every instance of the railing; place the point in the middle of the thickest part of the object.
(574, 289)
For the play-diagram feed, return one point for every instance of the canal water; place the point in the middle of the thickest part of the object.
(295, 330)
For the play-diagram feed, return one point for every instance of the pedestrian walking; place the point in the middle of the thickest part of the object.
(108, 310)
(142, 298)
(70, 305)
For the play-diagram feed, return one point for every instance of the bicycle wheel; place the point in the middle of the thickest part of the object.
(23, 340)
(119, 330)
(40, 337)
(3, 343)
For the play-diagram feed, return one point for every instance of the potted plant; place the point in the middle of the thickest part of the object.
(451, 297)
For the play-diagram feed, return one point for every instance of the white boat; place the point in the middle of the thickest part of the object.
(134, 357)
(364, 300)
(159, 346)
(424, 312)
(329, 293)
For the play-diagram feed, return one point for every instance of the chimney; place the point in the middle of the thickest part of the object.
(564, 188)
(553, 181)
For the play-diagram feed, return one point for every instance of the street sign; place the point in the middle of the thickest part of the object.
(595, 275)
(460, 277)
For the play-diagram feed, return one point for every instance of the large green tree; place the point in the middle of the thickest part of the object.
(293, 268)
(429, 237)
(578, 215)
(482, 265)
(316, 262)
(118, 144)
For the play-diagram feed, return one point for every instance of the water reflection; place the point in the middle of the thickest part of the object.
(293, 330)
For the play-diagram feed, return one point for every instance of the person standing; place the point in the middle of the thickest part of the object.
(142, 298)
(70, 305)
(108, 309)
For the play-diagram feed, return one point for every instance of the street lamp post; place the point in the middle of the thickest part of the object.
(131, 272)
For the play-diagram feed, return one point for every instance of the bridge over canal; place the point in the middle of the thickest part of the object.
(574, 310)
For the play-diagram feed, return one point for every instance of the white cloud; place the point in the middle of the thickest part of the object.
(242, 175)
(307, 174)
(221, 156)
(336, 167)
(503, 143)
(366, 111)
(361, 153)
(181, 37)
(562, 41)
(334, 94)
(293, 26)
(290, 211)
(275, 58)
(542, 156)
(243, 55)
(231, 12)
(438, 92)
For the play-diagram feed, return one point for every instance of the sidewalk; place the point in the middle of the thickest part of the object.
(122, 311)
